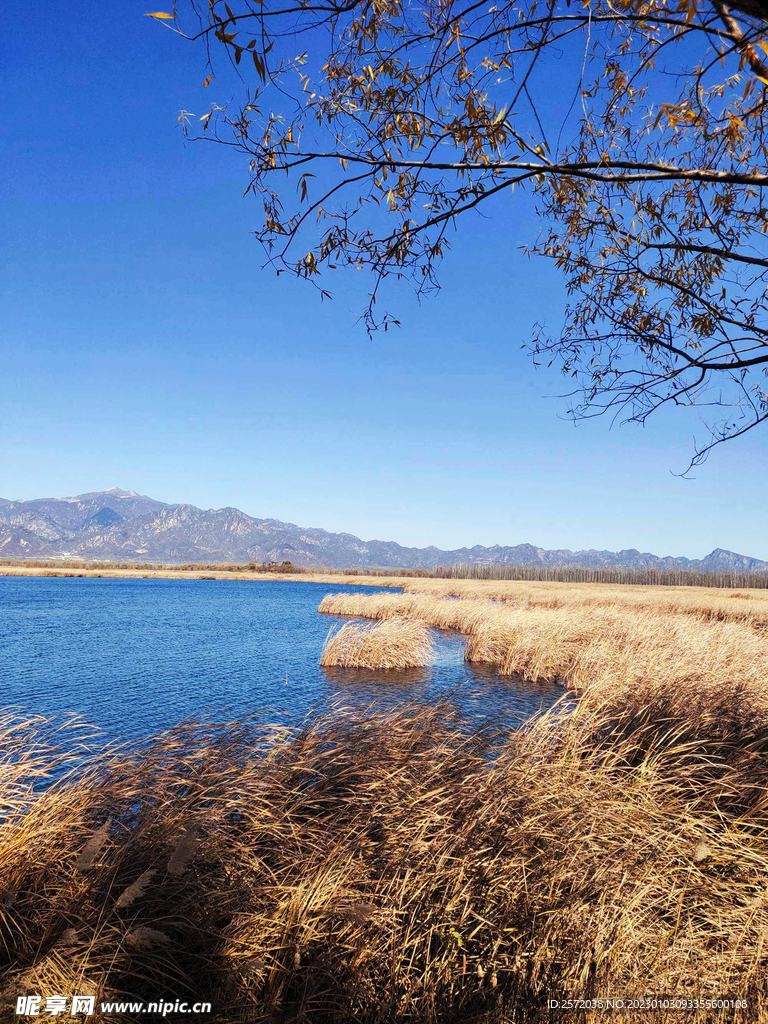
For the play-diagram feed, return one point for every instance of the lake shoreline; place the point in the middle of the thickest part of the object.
(207, 574)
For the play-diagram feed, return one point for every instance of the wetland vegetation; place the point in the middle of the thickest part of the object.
(403, 864)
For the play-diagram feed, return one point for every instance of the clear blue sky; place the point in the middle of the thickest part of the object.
(143, 346)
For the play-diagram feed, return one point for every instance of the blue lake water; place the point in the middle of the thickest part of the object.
(136, 656)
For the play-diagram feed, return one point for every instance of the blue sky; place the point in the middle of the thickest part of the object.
(144, 346)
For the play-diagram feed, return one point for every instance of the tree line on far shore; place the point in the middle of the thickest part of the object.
(458, 571)
(576, 574)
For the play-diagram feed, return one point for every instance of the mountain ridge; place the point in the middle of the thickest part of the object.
(119, 525)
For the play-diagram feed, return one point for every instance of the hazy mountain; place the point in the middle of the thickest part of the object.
(16, 542)
(123, 526)
(72, 512)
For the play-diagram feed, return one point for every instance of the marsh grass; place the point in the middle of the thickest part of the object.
(394, 866)
(396, 643)
(379, 866)
(750, 607)
(609, 646)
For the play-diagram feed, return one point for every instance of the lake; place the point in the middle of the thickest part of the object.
(136, 656)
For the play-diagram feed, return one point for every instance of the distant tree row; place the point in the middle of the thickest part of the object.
(574, 574)
(457, 571)
(282, 567)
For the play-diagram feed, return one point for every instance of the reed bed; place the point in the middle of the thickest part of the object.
(616, 649)
(748, 606)
(442, 613)
(395, 866)
(611, 646)
(395, 643)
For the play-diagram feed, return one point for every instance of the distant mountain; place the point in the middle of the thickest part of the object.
(124, 526)
(102, 519)
(16, 542)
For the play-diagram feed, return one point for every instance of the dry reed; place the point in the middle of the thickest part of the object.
(392, 866)
(609, 646)
(750, 607)
(397, 643)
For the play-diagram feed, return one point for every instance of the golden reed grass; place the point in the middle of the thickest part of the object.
(396, 643)
(750, 606)
(610, 646)
(394, 866)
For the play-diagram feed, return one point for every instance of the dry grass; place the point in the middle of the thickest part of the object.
(610, 646)
(396, 643)
(709, 604)
(615, 648)
(392, 866)
(462, 615)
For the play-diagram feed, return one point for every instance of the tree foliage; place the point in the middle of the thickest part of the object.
(638, 126)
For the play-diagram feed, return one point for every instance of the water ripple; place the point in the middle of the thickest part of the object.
(134, 656)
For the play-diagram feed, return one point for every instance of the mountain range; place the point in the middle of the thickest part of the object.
(123, 526)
